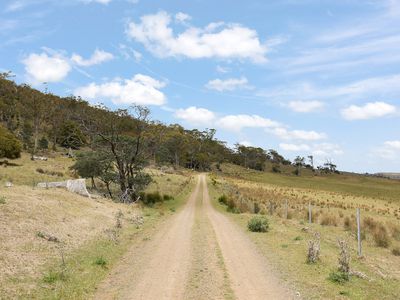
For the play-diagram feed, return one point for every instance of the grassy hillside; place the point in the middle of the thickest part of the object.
(334, 200)
(346, 183)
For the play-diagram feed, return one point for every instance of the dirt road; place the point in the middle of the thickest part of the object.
(197, 254)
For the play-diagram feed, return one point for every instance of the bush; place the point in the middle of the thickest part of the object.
(223, 200)
(276, 169)
(54, 276)
(168, 197)
(258, 224)
(10, 147)
(381, 237)
(2, 200)
(43, 143)
(328, 220)
(231, 207)
(100, 261)
(314, 249)
(338, 277)
(151, 198)
(396, 251)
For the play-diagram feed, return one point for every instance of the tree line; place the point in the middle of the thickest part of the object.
(118, 143)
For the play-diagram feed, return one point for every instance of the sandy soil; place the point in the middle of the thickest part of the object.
(197, 254)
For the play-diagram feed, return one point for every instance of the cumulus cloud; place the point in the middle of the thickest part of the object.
(320, 151)
(286, 134)
(141, 90)
(294, 147)
(389, 150)
(368, 111)
(98, 57)
(216, 40)
(182, 17)
(46, 68)
(195, 115)
(230, 84)
(305, 106)
(238, 122)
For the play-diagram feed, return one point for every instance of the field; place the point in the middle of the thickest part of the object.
(334, 200)
(55, 244)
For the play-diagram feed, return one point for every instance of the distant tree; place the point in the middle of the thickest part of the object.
(299, 163)
(10, 147)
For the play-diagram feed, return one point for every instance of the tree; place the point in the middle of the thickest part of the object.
(10, 146)
(71, 136)
(299, 163)
(120, 136)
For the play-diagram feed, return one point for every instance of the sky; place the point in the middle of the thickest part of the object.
(304, 77)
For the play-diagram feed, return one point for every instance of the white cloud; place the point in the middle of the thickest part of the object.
(219, 40)
(195, 115)
(285, 134)
(44, 68)
(368, 111)
(182, 17)
(221, 69)
(326, 150)
(305, 106)
(141, 89)
(98, 57)
(389, 150)
(320, 151)
(230, 84)
(238, 122)
(246, 143)
(294, 147)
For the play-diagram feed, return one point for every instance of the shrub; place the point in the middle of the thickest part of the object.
(100, 261)
(2, 200)
(256, 208)
(151, 198)
(231, 207)
(43, 143)
(54, 276)
(276, 169)
(258, 224)
(381, 237)
(396, 251)
(223, 199)
(10, 147)
(168, 197)
(314, 249)
(328, 220)
(344, 257)
(338, 277)
(370, 223)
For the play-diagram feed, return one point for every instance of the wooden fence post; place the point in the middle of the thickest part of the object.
(286, 209)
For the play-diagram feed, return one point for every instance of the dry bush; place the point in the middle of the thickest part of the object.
(381, 236)
(344, 257)
(396, 251)
(349, 224)
(314, 249)
(370, 224)
(328, 220)
(395, 230)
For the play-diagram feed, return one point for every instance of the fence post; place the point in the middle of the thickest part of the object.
(309, 213)
(359, 232)
(286, 209)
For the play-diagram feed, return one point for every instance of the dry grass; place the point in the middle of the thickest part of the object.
(29, 215)
(334, 217)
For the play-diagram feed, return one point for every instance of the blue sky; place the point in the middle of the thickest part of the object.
(306, 77)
